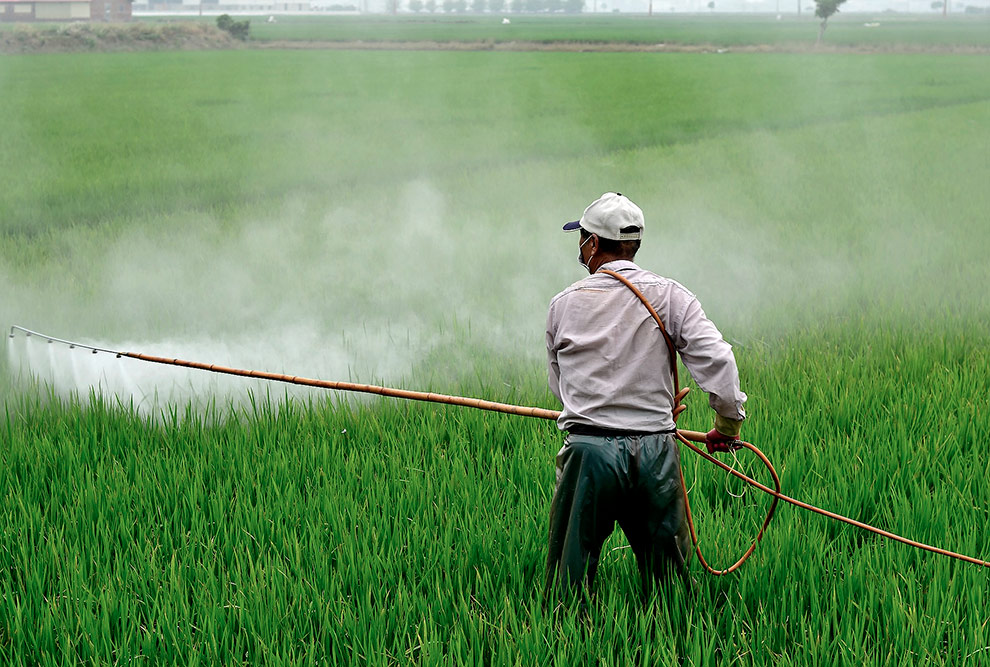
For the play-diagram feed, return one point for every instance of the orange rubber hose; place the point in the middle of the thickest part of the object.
(679, 395)
(686, 436)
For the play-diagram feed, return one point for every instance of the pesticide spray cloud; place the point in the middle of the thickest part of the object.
(397, 273)
(380, 290)
(363, 292)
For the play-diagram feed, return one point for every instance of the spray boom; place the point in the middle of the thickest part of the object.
(431, 397)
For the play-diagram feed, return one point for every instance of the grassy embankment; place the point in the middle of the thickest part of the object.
(850, 192)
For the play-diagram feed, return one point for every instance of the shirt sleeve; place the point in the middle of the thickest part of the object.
(553, 369)
(709, 359)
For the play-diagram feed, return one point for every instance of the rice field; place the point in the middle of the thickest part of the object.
(881, 30)
(394, 217)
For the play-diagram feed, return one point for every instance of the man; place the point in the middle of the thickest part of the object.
(609, 367)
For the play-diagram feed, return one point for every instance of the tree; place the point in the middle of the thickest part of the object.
(460, 6)
(416, 6)
(936, 5)
(496, 6)
(516, 5)
(431, 6)
(238, 29)
(711, 6)
(479, 6)
(573, 6)
(823, 10)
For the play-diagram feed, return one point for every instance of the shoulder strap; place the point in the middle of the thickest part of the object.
(671, 350)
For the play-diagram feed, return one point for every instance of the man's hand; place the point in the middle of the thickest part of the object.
(719, 442)
(725, 436)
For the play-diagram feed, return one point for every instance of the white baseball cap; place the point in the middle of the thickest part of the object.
(611, 216)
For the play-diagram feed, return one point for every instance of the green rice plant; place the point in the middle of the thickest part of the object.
(297, 529)
(392, 531)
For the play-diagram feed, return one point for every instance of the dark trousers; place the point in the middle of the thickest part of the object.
(632, 480)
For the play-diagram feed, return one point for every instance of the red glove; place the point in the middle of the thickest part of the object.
(717, 442)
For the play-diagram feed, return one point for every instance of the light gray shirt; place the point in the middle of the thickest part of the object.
(608, 362)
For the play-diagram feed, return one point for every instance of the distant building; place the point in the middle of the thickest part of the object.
(213, 7)
(65, 10)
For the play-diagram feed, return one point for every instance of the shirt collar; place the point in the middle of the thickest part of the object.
(618, 265)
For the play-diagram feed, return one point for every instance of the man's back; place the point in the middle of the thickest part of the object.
(608, 362)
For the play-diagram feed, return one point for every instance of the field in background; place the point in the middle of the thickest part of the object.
(718, 30)
(692, 33)
(830, 212)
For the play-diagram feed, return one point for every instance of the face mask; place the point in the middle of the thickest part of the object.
(580, 258)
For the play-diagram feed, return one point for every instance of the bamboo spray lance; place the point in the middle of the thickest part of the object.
(686, 437)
